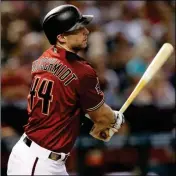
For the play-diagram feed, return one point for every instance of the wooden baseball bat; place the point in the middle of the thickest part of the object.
(163, 54)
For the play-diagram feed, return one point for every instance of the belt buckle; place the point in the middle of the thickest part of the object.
(54, 156)
(58, 156)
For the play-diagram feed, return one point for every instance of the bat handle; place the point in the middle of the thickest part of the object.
(122, 109)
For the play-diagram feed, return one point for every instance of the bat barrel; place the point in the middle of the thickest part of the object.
(161, 57)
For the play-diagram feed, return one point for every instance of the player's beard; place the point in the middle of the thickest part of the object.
(78, 48)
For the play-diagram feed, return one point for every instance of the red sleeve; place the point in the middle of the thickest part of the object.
(91, 95)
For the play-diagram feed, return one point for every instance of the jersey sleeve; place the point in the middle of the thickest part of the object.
(91, 96)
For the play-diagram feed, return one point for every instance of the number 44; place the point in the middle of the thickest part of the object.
(41, 90)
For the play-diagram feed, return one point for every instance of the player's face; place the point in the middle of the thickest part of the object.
(77, 40)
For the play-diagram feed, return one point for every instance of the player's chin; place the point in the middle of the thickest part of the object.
(84, 45)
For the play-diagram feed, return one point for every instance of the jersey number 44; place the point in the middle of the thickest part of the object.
(41, 90)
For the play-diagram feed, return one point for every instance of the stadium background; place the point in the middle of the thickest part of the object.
(125, 36)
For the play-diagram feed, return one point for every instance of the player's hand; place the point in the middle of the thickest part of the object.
(103, 133)
(120, 119)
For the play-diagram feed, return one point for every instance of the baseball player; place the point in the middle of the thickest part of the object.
(63, 86)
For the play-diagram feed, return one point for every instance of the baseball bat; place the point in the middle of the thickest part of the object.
(161, 57)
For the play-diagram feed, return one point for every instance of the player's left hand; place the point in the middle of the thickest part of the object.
(105, 133)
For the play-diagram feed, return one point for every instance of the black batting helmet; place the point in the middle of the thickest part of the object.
(62, 19)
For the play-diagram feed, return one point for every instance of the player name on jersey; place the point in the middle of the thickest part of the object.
(56, 67)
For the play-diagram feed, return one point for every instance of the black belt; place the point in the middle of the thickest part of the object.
(53, 156)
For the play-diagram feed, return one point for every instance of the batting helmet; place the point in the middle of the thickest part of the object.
(62, 19)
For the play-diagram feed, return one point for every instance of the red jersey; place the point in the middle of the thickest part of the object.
(63, 86)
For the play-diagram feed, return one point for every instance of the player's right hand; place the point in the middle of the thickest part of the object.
(119, 120)
(105, 133)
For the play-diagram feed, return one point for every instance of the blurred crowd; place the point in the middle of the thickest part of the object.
(124, 38)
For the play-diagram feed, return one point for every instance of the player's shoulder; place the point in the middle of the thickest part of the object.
(86, 69)
(81, 66)
(48, 52)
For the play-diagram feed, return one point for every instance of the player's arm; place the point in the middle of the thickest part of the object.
(103, 115)
(106, 122)
(92, 101)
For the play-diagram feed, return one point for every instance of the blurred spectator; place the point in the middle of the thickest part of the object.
(97, 43)
(119, 58)
(16, 72)
(163, 92)
(91, 8)
(143, 53)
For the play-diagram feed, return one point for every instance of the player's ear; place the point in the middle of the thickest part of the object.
(61, 38)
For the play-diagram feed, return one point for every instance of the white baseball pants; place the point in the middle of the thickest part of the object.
(33, 160)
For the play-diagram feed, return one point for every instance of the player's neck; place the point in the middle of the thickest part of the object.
(66, 48)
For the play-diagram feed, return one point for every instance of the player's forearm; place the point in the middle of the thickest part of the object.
(104, 115)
